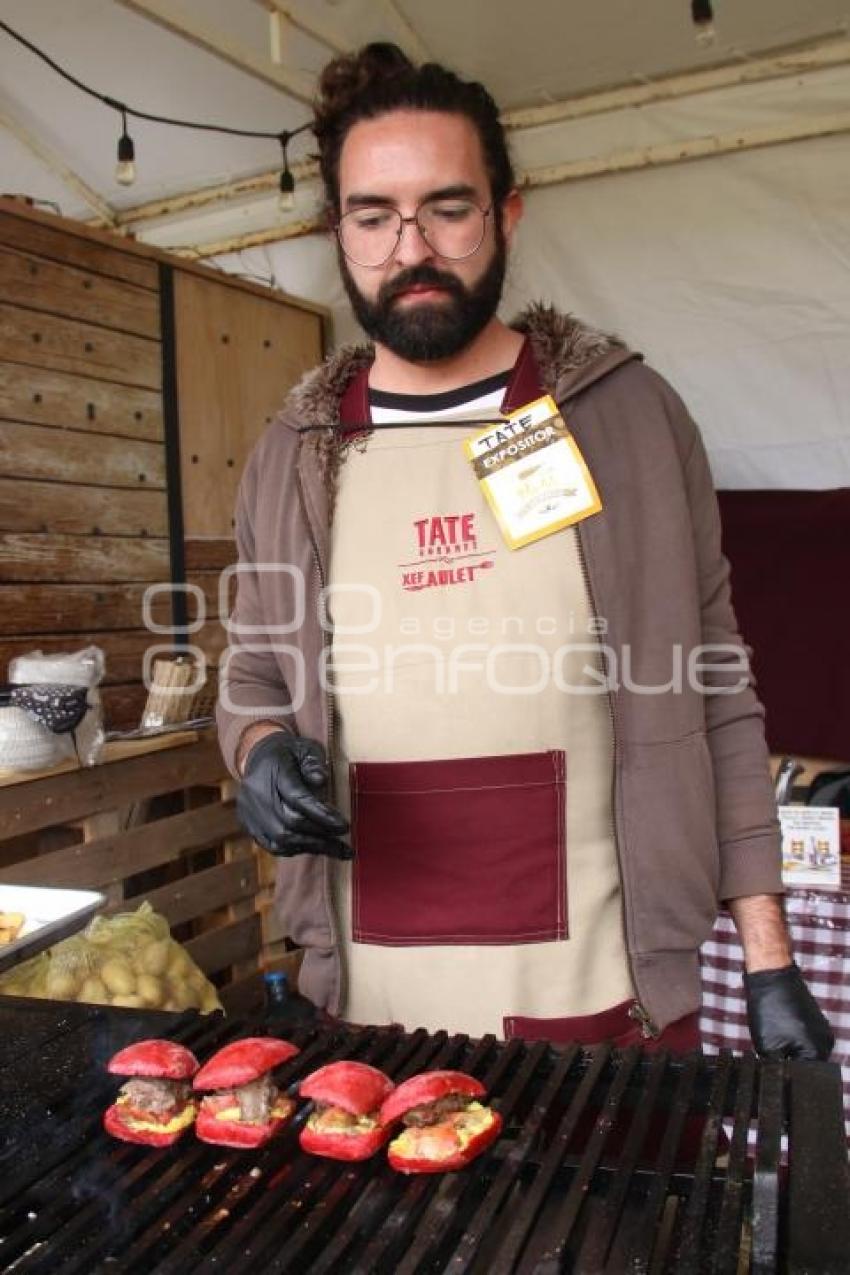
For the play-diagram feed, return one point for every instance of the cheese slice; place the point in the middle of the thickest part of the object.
(469, 1123)
(229, 1113)
(335, 1120)
(180, 1121)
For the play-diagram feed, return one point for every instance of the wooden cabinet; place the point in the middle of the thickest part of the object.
(234, 351)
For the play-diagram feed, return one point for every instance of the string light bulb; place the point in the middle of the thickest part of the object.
(286, 198)
(703, 19)
(125, 169)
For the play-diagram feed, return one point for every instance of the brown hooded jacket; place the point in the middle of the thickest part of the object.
(694, 812)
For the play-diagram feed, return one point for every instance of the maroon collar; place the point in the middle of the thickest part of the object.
(354, 410)
(524, 386)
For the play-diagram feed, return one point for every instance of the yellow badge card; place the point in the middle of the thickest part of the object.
(532, 473)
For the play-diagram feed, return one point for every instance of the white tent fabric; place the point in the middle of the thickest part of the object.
(731, 275)
(733, 278)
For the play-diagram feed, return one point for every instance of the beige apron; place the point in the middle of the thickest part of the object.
(449, 647)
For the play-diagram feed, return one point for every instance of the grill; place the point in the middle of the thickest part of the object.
(609, 1162)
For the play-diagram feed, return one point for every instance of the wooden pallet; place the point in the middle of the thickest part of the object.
(156, 820)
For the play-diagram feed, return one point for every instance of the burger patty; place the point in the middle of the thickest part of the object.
(156, 1094)
(434, 1112)
(256, 1099)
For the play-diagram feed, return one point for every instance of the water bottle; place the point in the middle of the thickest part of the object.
(285, 1008)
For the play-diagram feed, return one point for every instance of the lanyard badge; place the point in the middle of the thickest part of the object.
(532, 474)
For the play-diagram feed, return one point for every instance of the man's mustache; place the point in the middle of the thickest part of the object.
(423, 276)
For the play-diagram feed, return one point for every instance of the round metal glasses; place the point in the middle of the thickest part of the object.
(453, 228)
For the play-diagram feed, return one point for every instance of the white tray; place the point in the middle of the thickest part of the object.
(50, 914)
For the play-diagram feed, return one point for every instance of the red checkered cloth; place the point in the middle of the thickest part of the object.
(819, 922)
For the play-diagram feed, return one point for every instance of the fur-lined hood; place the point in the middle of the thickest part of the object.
(563, 346)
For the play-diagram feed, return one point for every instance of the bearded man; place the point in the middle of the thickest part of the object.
(544, 810)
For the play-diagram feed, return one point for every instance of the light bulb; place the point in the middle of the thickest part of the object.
(286, 198)
(702, 15)
(125, 172)
(125, 169)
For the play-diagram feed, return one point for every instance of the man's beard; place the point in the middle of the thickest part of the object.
(424, 331)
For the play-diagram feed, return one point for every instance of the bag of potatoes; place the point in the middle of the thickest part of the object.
(26, 979)
(128, 959)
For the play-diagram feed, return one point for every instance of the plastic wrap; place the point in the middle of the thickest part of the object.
(83, 668)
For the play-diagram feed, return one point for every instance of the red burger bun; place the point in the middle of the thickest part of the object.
(427, 1087)
(235, 1133)
(243, 1061)
(343, 1146)
(115, 1124)
(354, 1086)
(456, 1158)
(163, 1059)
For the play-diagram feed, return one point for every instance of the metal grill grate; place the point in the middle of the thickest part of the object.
(609, 1162)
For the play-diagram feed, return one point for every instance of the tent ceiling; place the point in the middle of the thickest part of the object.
(210, 60)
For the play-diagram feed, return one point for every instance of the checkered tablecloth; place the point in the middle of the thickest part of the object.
(819, 922)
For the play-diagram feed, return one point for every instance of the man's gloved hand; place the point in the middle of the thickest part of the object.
(785, 1019)
(279, 804)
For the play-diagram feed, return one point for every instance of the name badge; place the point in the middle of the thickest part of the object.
(532, 473)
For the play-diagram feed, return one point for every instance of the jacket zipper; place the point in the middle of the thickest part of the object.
(329, 742)
(638, 1014)
(649, 1030)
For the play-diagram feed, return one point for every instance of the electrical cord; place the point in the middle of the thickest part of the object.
(280, 135)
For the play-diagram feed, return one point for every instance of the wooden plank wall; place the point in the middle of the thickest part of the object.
(84, 532)
(83, 482)
(83, 502)
(237, 355)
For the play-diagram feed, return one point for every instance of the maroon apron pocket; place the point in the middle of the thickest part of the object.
(468, 851)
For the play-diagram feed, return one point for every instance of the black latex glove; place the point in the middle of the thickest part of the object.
(279, 801)
(785, 1019)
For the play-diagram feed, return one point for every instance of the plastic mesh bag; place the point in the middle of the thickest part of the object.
(128, 959)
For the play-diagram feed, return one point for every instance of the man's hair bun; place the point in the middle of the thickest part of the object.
(380, 78)
(353, 76)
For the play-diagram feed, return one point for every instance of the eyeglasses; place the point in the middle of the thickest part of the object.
(454, 228)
